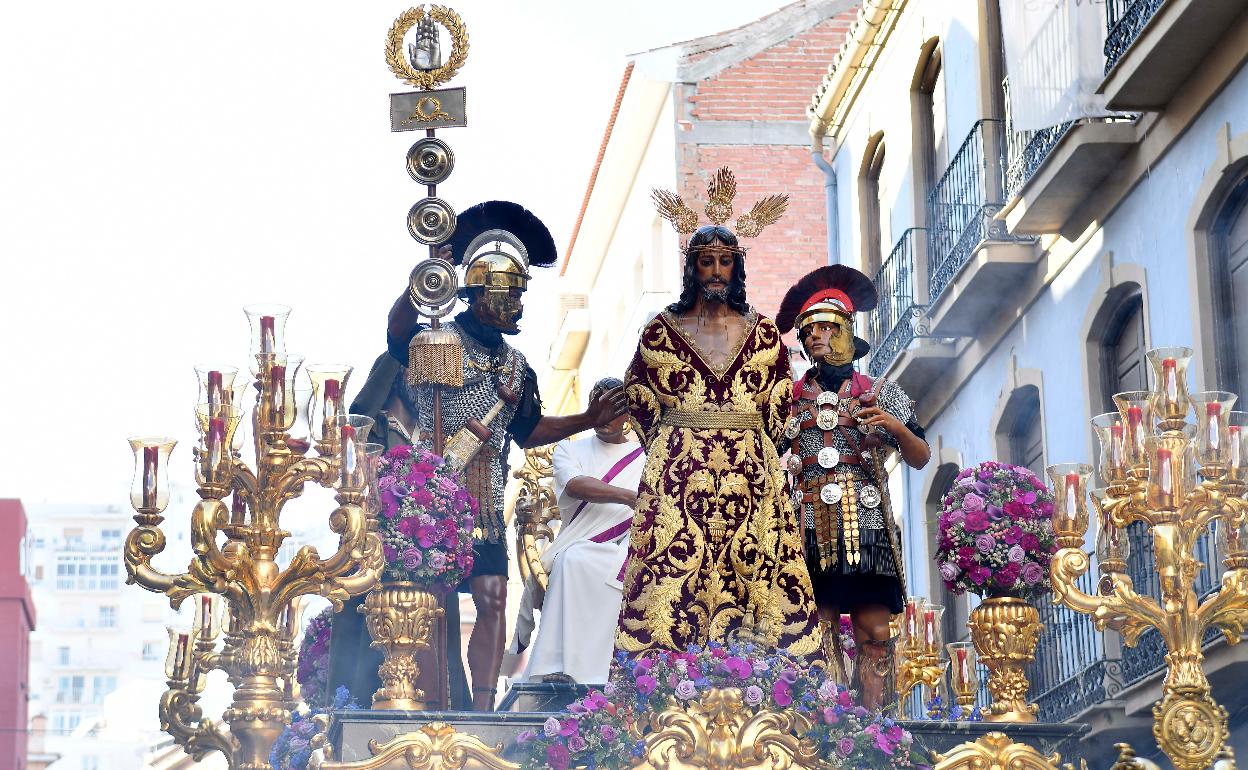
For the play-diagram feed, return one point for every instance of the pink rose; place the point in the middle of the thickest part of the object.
(972, 502)
(1032, 573)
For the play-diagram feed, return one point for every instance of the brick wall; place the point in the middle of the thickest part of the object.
(774, 85)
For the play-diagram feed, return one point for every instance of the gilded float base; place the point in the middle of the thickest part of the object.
(993, 751)
(401, 619)
(1190, 728)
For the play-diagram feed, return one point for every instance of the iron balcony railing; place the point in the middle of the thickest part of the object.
(1068, 675)
(893, 324)
(1124, 20)
(962, 205)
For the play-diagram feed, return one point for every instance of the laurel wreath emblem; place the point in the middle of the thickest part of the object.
(399, 65)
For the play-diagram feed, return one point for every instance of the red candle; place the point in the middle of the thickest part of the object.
(1170, 379)
(1165, 473)
(333, 390)
(1071, 499)
(214, 388)
(267, 337)
(911, 624)
(1213, 420)
(181, 656)
(929, 629)
(205, 614)
(151, 462)
(277, 384)
(237, 509)
(1135, 430)
(1236, 461)
(1116, 459)
(964, 665)
(216, 437)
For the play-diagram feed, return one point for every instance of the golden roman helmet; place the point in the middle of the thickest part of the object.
(497, 242)
(492, 267)
(831, 294)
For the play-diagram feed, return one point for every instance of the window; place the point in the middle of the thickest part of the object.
(1026, 432)
(90, 762)
(73, 538)
(1229, 279)
(931, 144)
(62, 656)
(108, 616)
(88, 573)
(102, 686)
(65, 722)
(69, 690)
(869, 205)
(151, 651)
(1122, 351)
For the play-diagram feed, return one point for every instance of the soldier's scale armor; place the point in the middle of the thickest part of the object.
(839, 484)
(484, 370)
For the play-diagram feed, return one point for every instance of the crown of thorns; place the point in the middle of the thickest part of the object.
(719, 194)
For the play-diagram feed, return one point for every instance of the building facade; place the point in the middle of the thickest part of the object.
(735, 98)
(17, 621)
(1023, 274)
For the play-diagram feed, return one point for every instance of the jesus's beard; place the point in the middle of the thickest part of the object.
(716, 293)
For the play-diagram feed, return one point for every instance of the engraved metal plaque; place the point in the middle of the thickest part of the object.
(792, 428)
(826, 419)
(869, 496)
(827, 398)
(831, 493)
(795, 464)
(418, 110)
(829, 457)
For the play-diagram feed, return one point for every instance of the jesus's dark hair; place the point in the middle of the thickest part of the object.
(711, 235)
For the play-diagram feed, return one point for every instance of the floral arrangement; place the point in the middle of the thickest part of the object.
(996, 532)
(293, 749)
(954, 712)
(604, 726)
(426, 518)
(312, 673)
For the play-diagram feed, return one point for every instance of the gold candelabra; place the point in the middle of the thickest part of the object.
(259, 641)
(1178, 479)
(919, 651)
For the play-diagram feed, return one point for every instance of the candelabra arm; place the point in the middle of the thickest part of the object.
(1124, 610)
(182, 717)
(1202, 506)
(211, 570)
(144, 542)
(1228, 608)
(352, 569)
(323, 471)
(244, 480)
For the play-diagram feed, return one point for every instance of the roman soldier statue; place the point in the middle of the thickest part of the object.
(843, 427)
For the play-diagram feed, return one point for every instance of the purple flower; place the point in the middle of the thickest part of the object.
(738, 667)
(781, 693)
(1032, 573)
(827, 690)
(753, 695)
(956, 516)
(972, 502)
(557, 756)
(412, 558)
(985, 543)
(525, 736)
(608, 689)
(550, 728)
(576, 744)
(437, 560)
(608, 733)
(297, 744)
(845, 747)
(646, 684)
(949, 571)
(788, 675)
(1016, 554)
(685, 689)
(569, 727)
(976, 521)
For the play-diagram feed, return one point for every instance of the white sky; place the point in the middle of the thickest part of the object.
(164, 163)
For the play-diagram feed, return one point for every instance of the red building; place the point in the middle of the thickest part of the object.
(17, 620)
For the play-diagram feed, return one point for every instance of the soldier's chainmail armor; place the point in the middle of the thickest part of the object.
(891, 399)
(484, 370)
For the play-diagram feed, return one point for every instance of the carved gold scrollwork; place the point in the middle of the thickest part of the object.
(401, 620)
(995, 751)
(435, 746)
(536, 508)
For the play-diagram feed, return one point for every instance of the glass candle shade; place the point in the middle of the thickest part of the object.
(178, 659)
(1213, 408)
(217, 425)
(291, 617)
(1171, 400)
(911, 636)
(268, 330)
(216, 383)
(353, 430)
(1112, 543)
(297, 440)
(329, 390)
(1111, 434)
(279, 407)
(963, 668)
(1136, 410)
(149, 489)
(1070, 495)
(1237, 446)
(931, 628)
(372, 460)
(1232, 536)
(1171, 472)
(239, 392)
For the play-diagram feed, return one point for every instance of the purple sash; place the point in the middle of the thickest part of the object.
(616, 469)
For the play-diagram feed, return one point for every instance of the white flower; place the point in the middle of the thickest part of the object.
(550, 727)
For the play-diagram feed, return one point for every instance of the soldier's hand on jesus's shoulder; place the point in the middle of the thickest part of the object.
(876, 417)
(611, 404)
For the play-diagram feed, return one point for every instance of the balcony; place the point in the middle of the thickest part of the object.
(901, 349)
(1152, 47)
(973, 264)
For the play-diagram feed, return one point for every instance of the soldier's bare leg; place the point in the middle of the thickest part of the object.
(485, 646)
(873, 669)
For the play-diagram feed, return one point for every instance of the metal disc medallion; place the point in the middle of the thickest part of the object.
(826, 419)
(795, 464)
(827, 398)
(869, 496)
(431, 221)
(830, 494)
(792, 429)
(430, 161)
(797, 499)
(829, 457)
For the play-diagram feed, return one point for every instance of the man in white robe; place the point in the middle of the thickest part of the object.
(596, 482)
